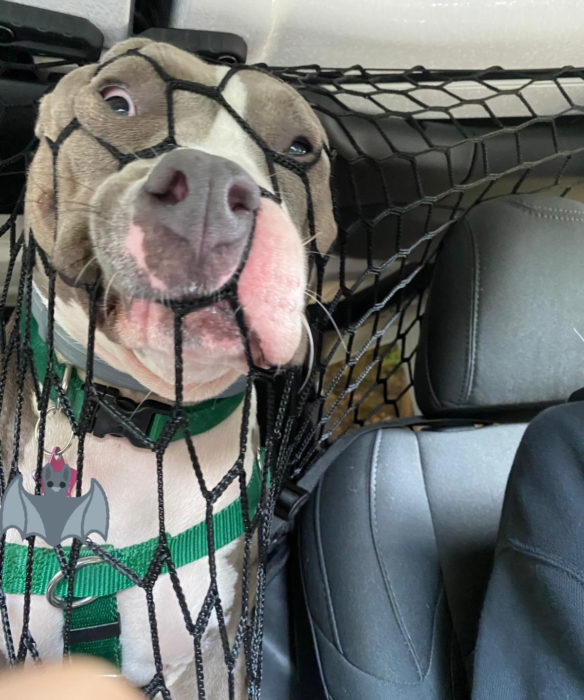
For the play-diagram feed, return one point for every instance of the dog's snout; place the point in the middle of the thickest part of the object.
(171, 189)
(202, 197)
(241, 197)
(193, 217)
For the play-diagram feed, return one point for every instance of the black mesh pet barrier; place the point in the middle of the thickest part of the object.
(411, 151)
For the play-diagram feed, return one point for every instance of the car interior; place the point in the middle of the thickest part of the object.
(396, 542)
(450, 315)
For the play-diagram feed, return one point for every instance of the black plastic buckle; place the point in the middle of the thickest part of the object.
(290, 500)
(139, 416)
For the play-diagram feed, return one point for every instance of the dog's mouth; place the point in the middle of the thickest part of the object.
(144, 324)
(268, 289)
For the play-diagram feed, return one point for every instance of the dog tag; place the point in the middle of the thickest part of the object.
(57, 463)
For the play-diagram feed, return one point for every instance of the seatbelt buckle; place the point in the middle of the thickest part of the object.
(290, 500)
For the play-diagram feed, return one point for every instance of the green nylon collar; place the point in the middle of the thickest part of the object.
(102, 579)
(200, 417)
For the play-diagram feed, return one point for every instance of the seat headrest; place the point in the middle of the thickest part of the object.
(507, 293)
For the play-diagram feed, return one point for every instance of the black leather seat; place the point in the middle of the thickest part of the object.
(396, 541)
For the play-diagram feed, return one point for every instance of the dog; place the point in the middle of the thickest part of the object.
(158, 225)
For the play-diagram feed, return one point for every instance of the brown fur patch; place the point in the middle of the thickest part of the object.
(276, 113)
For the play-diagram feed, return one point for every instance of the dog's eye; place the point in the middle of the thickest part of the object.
(50, 484)
(62, 484)
(119, 100)
(299, 147)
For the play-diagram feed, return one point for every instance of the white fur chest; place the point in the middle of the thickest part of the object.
(128, 476)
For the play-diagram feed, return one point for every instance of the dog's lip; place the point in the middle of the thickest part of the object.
(116, 302)
(121, 303)
(118, 307)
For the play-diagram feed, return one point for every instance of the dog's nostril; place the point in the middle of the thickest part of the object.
(175, 191)
(242, 198)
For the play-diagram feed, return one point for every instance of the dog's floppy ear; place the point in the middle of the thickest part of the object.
(43, 112)
(56, 111)
(57, 108)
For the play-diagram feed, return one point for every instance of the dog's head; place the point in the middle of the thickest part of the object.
(168, 178)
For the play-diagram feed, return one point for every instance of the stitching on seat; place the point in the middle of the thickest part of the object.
(556, 210)
(324, 575)
(386, 579)
(536, 553)
(443, 583)
(311, 620)
(390, 676)
(441, 595)
(468, 382)
(463, 383)
(428, 375)
(477, 301)
(539, 211)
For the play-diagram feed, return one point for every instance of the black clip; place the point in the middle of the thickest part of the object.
(139, 416)
(290, 500)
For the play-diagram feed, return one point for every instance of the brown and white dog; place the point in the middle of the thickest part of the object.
(166, 227)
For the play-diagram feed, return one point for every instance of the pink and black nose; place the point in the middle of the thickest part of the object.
(193, 217)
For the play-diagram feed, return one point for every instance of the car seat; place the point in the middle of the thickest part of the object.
(397, 539)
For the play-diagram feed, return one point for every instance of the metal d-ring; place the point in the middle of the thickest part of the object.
(58, 602)
(58, 453)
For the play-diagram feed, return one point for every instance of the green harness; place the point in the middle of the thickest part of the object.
(95, 622)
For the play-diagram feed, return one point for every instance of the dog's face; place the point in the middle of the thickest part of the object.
(164, 166)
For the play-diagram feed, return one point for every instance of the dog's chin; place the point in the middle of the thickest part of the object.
(212, 352)
(140, 340)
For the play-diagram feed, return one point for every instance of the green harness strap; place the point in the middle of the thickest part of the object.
(95, 625)
(95, 630)
(103, 581)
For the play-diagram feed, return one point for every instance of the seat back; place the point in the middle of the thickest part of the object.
(397, 540)
(498, 334)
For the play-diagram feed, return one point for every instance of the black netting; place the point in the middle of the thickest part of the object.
(411, 152)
